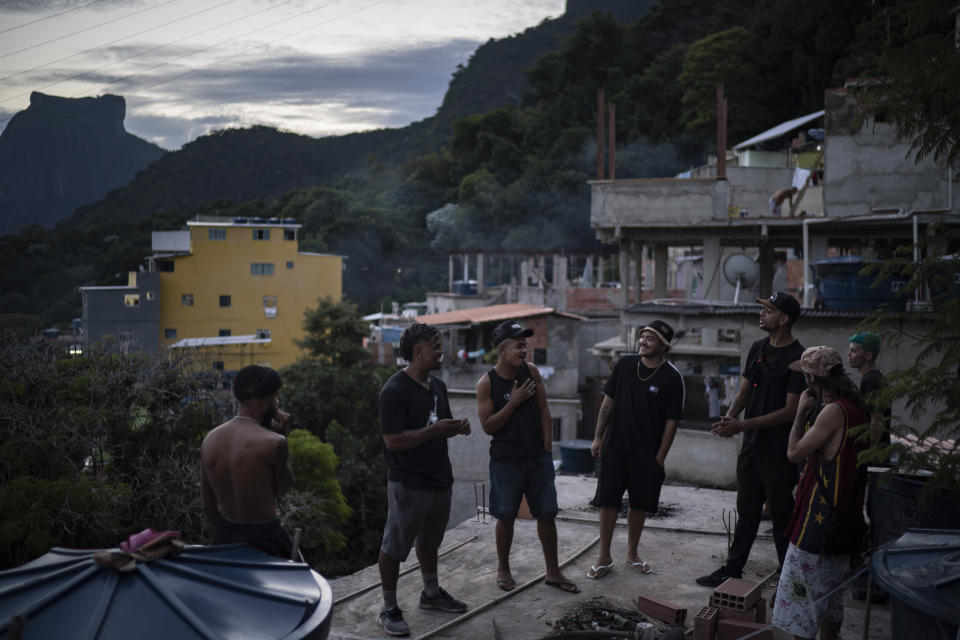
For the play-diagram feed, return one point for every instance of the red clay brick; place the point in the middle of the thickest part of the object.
(735, 629)
(705, 624)
(661, 609)
(735, 593)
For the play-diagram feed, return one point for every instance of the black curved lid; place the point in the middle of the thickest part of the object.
(922, 569)
(223, 591)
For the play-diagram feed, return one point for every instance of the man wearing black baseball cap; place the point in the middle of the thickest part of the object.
(770, 393)
(642, 406)
(512, 407)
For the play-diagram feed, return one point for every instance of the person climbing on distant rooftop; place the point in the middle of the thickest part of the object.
(244, 466)
(777, 199)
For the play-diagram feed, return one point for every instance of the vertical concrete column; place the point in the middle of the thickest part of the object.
(624, 273)
(480, 274)
(598, 272)
(815, 249)
(638, 269)
(524, 273)
(765, 262)
(450, 273)
(660, 271)
(712, 268)
(560, 280)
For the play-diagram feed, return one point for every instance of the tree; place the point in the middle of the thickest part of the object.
(332, 392)
(97, 447)
(912, 47)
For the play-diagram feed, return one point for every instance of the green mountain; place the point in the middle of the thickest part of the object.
(503, 164)
(60, 153)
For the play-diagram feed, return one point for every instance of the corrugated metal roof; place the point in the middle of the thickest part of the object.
(492, 313)
(219, 341)
(780, 129)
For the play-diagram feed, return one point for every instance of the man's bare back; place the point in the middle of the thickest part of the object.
(243, 470)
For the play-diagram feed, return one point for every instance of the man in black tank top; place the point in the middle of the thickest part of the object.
(512, 407)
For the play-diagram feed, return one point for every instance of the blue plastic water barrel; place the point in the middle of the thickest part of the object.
(575, 456)
(840, 285)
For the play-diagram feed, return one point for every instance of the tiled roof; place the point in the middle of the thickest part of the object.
(493, 313)
(688, 308)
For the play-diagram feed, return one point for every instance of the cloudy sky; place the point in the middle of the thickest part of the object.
(187, 67)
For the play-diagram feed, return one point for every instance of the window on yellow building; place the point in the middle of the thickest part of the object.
(218, 365)
(217, 234)
(261, 268)
(289, 234)
(289, 264)
(261, 234)
(186, 300)
(270, 306)
(225, 301)
(263, 334)
(169, 334)
(131, 299)
(224, 332)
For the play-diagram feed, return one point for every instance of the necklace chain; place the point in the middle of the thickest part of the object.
(642, 379)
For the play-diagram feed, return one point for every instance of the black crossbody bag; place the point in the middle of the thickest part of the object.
(843, 533)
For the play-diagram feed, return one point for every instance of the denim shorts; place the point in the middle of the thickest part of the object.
(419, 515)
(510, 481)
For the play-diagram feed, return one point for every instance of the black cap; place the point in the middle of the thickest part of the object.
(662, 329)
(783, 302)
(255, 382)
(509, 329)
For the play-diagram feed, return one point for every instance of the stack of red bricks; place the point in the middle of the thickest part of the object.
(736, 610)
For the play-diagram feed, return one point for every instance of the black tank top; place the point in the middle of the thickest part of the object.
(521, 438)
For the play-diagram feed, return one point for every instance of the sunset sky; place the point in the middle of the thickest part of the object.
(187, 67)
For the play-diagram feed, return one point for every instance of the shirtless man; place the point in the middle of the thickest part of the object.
(777, 199)
(244, 467)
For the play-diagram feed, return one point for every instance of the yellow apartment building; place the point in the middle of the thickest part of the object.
(236, 289)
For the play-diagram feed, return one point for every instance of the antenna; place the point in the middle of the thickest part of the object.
(741, 271)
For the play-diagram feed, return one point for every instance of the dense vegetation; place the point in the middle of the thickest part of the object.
(511, 166)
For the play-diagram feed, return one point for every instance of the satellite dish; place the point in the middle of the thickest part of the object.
(740, 270)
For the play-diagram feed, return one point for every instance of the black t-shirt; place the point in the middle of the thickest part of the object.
(521, 438)
(406, 405)
(644, 399)
(771, 380)
(873, 381)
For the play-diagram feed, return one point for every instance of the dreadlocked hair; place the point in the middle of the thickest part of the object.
(414, 334)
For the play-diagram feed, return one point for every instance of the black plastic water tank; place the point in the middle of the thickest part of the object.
(223, 591)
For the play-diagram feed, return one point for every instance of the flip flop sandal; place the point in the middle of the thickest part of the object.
(564, 585)
(507, 584)
(640, 567)
(595, 572)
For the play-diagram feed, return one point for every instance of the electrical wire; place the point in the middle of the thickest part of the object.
(107, 44)
(53, 15)
(90, 28)
(141, 53)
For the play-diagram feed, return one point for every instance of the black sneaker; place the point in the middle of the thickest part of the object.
(715, 579)
(442, 601)
(393, 623)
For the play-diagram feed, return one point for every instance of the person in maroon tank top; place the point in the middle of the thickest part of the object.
(832, 481)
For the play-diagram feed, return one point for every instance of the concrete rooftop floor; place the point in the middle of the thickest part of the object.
(689, 541)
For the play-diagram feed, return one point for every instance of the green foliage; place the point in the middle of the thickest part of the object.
(930, 385)
(911, 44)
(332, 393)
(315, 504)
(40, 513)
(96, 447)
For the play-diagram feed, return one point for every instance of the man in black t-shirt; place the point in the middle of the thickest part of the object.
(862, 356)
(415, 421)
(512, 407)
(642, 405)
(770, 393)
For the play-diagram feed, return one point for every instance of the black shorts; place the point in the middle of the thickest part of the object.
(639, 475)
(267, 536)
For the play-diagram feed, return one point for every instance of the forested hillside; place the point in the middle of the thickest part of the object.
(510, 175)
